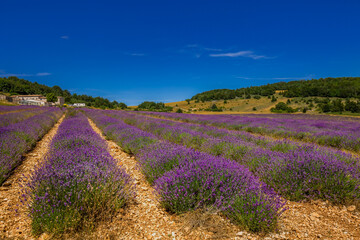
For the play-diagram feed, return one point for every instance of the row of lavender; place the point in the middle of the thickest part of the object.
(18, 138)
(294, 171)
(79, 182)
(339, 132)
(18, 116)
(5, 109)
(186, 179)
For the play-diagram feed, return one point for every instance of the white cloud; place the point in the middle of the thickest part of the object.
(3, 74)
(43, 74)
(64, 37)
(249, 54)
(137, 54)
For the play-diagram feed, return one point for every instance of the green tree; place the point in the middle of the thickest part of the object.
(50, 97)
(214, 107)
(325, 107)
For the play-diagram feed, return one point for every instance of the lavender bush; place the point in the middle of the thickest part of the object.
(261, 155)
(78, 184)
(14, 117)
(157, 159)
(20, 137)
(339, 132)
(186, 179)
(213, 182)
(305, 174)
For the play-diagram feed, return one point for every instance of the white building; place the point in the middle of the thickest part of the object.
(79, 104)
(38, 100)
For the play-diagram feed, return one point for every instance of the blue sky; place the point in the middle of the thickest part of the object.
(132, 51)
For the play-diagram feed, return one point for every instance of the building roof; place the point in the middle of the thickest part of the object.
(28, 96)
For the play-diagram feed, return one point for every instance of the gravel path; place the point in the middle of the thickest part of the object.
(14, 222)
(144, 218)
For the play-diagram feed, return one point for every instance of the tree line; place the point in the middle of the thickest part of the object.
(15, 85)
(342, 87)
(154, 106)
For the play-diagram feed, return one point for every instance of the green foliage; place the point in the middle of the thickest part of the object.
(342, 87)
(254, 109)
(179, 110)
(50, 97)
(282, 107)
(257, 97)
(153, 106)
(16, 85)
(214, 108)
(351, 106)
(338, 106)
(273, 98)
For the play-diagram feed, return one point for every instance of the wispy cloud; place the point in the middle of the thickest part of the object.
(137, 54)
(41, 74)
(198, 47)
(197, 50)
(65, 37)
(248, 54)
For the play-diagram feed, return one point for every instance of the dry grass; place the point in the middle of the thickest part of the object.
(262, 105)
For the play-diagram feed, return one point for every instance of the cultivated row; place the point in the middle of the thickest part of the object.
(186, 179)
(325, 130)
(78, 184)
(18, 138)
(14, 117)
(295, 171)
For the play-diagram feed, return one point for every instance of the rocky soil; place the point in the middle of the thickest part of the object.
(144, 218)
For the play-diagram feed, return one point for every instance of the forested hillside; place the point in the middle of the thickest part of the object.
(14, 85)
(342, 87)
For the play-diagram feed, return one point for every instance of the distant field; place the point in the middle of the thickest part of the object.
(262, 105)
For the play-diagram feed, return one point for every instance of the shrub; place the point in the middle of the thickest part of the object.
(308, 174)
(224, 185)
(78, 184)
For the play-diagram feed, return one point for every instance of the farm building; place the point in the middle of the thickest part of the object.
(38, 100)
(79, 104)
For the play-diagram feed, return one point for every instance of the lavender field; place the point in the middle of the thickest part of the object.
(296, 171)
(338, 132)
(190, 162)
(19, 132)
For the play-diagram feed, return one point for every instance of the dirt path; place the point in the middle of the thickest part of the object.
(17, 225)
(319, 220)
(144, 218)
